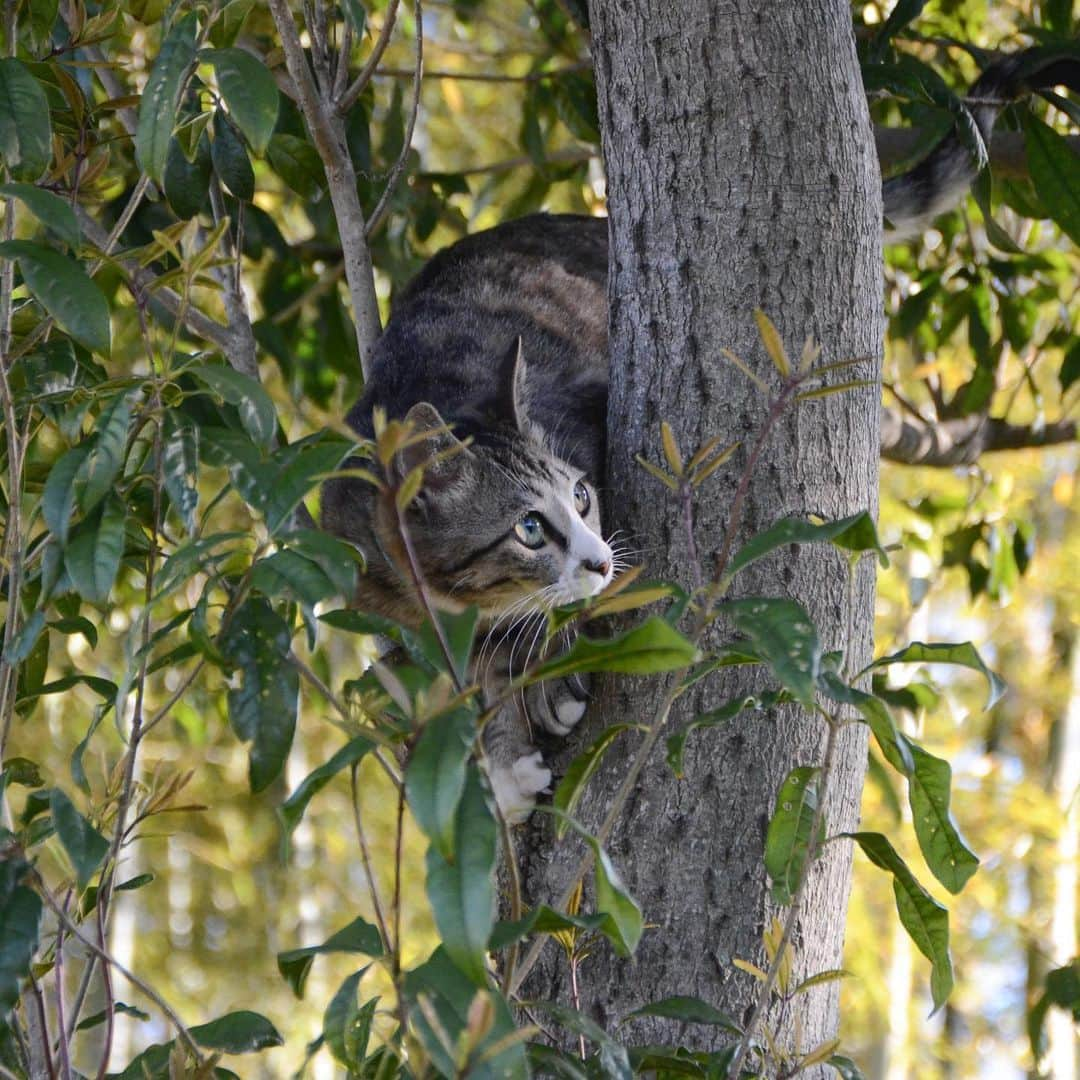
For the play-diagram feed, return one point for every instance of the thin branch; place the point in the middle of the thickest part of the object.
(347, 100)
(244, 359)
(327, 132)
(396, 172)
(365, 854)
(962, 440)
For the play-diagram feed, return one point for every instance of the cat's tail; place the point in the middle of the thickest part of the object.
(913, 199)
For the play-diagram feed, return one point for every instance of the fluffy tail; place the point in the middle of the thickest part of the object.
(913, 199)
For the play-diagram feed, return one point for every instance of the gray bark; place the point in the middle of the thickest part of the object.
(742, 175)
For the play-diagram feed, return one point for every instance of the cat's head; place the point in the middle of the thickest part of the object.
(501, 522)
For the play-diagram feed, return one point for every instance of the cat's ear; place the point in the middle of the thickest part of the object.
(512, 401)
(434, 446)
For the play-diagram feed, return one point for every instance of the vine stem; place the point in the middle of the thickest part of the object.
(713, 593)
(743, 1046)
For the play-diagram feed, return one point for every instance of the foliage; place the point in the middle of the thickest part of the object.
(162, 575)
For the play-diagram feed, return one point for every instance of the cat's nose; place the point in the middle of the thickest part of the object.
(597, 566)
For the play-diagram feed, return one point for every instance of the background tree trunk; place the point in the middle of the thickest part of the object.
(741, 175)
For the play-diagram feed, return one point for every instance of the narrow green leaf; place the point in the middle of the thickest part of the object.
(119, 1007)
(541, 920)
(187, 183)
(52, 211)
(625, 924)
(256, 410)
(64, 290)
(249, 91)
(855, 533)
(358, 937)
(652, 647)
(691, 1010)
(788, 842)
(297, 162)
(262, 709)
(24, 641)
(161, 97)
(20, 918)
(784, 636)
(86, 847)
(180, 468)
(435, 777)
(962, 653)
(462, 893)
(845, 1068)
(292, 810)
(60, 491)
(360, 622)
(346, 1026)
(25, 132)
(288, 574)
(950, 860)
(1055, 171)
(106, 457)
(239, 1032)
(925, 920)
(92, 556)
(460, 632)
(894, 745)
(230, 159)
(570, 789)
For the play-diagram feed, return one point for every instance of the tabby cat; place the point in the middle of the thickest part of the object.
(501, 343)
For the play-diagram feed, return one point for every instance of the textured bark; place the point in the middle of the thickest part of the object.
(741, 175)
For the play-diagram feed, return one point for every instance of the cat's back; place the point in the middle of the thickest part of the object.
(540, 278)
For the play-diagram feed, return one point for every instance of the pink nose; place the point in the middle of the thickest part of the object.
(596, 566)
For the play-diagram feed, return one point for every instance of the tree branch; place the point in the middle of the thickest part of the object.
(327, 132)
(909, 440)
(348, 99)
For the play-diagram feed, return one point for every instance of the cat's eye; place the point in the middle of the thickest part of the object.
(530, 531)
(582, 501)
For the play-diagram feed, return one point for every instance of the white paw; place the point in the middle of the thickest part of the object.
(516, 787)
(568, 712)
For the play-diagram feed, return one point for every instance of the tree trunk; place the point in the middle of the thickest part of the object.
(741, 175)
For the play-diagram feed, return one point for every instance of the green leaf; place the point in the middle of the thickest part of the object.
(358, 937)
(950, 859)
(614, 1061)
(462, 892)
(288, 574)
(262, 709)
(894, 745)
(106, 457)
(23, 643)
(180, 468)
(118, 1007)
(925, 920)
(161, 97)
(249, 91)
(346, 1025)
(435, 777)
(460, 632)
(1055, 171)
(92, 556)
(541, 920)
(356, 14)
(962, 653)
(360, 622)
(20, 918)
(784, 636)
(845, 1068)
(448, 994)
(230, 159)
(25, 133)
(52, 211)
(239, 1032)
(86, 847)
(292, 810)
(187, 183)
(788, 842)
(691, 1010)
(297, 162)
(855, 533)
(652, 647)
(256, 410)
(625, 924)
(59, 494)
(64, 290)
(568, 793)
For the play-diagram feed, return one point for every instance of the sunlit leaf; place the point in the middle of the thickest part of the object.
(855, 533)
(580, 770)
(961, 653)
(784, 636)
(789, 840)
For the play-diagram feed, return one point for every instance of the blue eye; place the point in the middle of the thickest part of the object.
(530, 531)
(582, 502)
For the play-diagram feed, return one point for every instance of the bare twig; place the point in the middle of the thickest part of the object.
(327, 132)
(348, 99)
(383, 205)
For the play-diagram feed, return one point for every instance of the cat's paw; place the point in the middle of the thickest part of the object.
(516, 786)
(559, 705)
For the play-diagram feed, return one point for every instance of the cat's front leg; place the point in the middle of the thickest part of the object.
(557, 705)
(516, 768)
